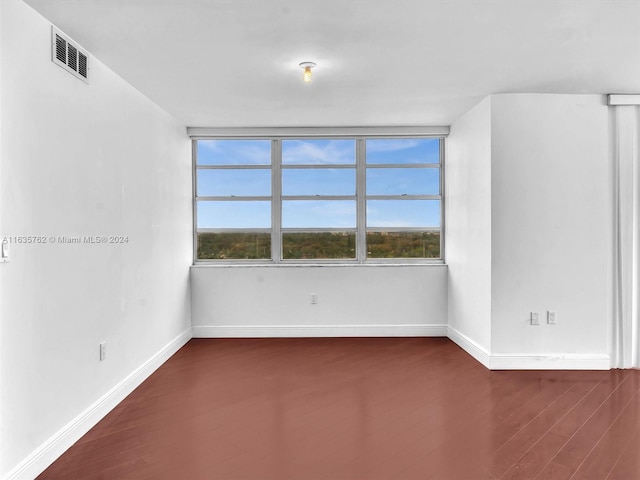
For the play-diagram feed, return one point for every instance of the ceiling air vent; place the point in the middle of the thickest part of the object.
(69, 55)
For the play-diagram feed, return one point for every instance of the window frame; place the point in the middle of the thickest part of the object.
(225, 198)
(359, 136)
(282, 230)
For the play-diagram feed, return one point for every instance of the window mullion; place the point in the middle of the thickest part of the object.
(233, 167)
(276, 200)
(361, 201)
(319, 166)
(194, 196)
(233, 198)
(318, 197)
(442, 198)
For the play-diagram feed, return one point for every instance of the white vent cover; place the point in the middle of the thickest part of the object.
(69, 55)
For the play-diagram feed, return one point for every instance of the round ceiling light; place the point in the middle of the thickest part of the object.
(307, 66)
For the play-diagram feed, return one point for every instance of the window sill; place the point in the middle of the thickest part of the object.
(241, 264)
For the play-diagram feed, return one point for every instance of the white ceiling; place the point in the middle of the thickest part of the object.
(234, 63)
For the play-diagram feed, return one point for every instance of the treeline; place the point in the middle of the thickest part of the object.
(220, 246)
(403, 245)
(323, 245)
(328, 245)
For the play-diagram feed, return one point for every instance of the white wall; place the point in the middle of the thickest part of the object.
(77, 159)
(551, 223)
(1, 337)
(352, 300)
(468, 225)
(529, 229)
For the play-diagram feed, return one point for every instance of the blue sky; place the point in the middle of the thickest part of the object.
(318, 181)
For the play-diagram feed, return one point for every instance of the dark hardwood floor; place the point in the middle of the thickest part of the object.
(361, 408)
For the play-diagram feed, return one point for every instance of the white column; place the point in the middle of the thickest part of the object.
(626, 268)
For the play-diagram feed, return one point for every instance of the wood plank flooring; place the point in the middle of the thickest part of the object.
(361, 408)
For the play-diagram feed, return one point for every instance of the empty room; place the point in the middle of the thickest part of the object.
(319, 240)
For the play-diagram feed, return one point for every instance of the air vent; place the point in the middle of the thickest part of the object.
(69, 55)
(61, 49)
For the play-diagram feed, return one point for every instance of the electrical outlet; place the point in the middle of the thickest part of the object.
(103, 350)
(314, 298)
(534, 318)
(552, 317)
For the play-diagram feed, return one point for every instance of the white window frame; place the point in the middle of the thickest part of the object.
(359, 135)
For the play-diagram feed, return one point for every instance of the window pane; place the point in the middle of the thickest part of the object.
(403, 150)
(234, 214)
(319, 214)
(403, 244)
(319, 245)
(335, 181)
(403, 213)
(401, 181)
(320, 152)
(234, 182)
(234, 152)
(221, 246)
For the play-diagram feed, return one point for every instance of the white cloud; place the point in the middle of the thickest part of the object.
(318, 152)
(387, 145)
(252, 152)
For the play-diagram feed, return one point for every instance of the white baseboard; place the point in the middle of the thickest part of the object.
(279, 331)
(469, 346)
(55, 446)
(543, 361)
(550, 361)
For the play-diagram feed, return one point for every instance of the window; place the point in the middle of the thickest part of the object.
(403, 198)
(233, 199)
(318, 199)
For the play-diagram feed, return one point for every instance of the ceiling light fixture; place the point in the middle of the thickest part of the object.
(307, 66)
